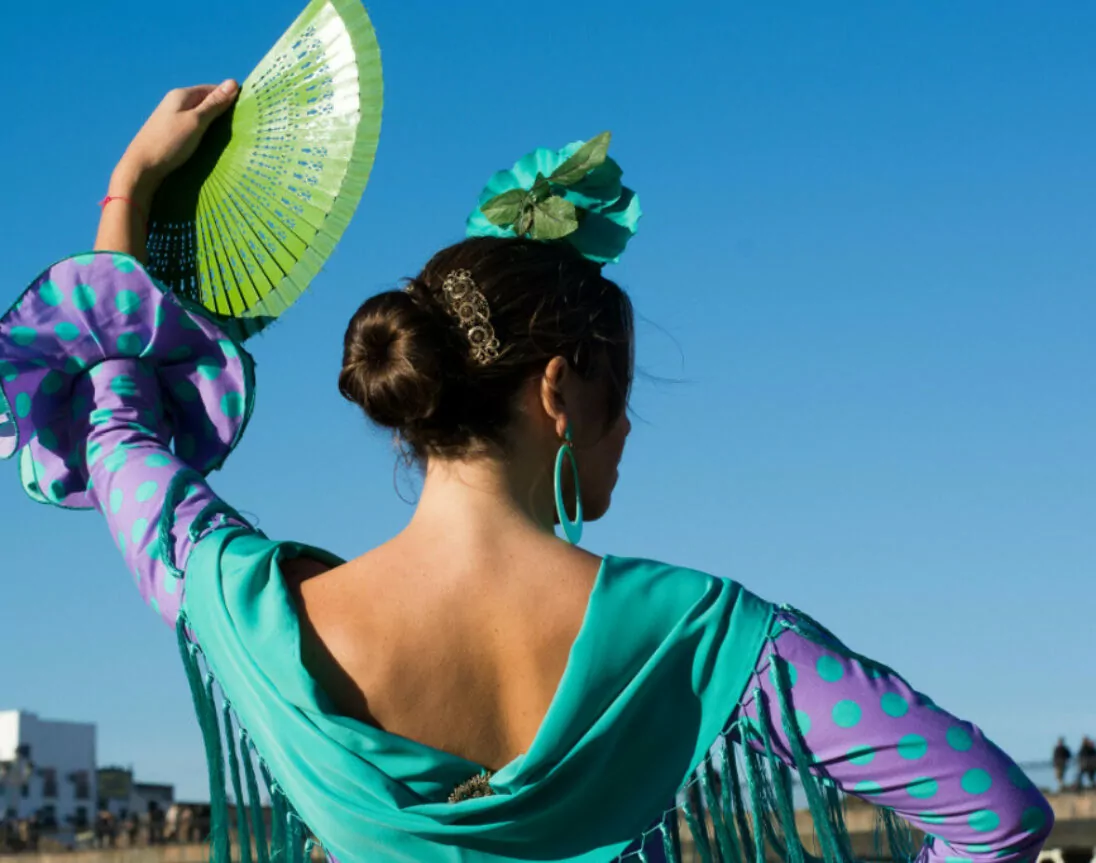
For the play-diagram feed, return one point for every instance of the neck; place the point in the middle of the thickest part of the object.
(483, 500)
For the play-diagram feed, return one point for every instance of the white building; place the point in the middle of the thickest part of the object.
(47, 768)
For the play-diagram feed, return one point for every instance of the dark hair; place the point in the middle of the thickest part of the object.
(408, 362)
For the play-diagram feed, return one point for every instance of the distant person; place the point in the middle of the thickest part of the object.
(186, 825)
(1086, 763)
(101, 829)
(171, 823)
(155, 824)
(1062, 757)
(24, 834)
(34, 832)
(132, 829)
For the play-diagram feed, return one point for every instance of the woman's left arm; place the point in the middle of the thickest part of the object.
(862, 726)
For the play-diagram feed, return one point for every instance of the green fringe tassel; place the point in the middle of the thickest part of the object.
(289, 838)
(243, 834)
(693, 811)
(219, 851)
(277, 820)
(294, 837)
(737, 806)
(255, 803)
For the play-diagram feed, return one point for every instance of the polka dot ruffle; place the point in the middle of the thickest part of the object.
(100, 306)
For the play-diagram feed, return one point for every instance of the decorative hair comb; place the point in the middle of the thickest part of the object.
(573, 194)
(467, 304)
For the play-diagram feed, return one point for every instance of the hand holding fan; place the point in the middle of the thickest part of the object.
(247, 223)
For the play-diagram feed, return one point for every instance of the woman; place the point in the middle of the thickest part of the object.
(474, 689)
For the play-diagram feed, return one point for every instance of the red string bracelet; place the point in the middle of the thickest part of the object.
(130, 201)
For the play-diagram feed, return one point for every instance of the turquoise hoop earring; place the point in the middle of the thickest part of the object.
(572, 530)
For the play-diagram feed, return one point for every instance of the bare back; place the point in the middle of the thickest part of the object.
(464, 657)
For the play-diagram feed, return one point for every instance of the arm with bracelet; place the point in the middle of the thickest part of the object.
(124, 396)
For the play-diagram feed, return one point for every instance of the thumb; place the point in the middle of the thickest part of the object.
(217, 102)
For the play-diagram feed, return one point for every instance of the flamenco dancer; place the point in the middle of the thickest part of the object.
(474, 689)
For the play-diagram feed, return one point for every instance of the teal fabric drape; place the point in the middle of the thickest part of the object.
(658, 666)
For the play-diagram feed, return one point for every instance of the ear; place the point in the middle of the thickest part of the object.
(552, 387)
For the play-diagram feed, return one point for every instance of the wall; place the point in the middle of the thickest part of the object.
(9, 734)
(64, 747)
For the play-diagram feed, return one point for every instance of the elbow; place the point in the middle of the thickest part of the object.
(1034, 827)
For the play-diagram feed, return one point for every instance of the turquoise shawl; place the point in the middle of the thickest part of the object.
(660, 662)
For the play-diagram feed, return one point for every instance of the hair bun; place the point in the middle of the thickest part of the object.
(392, 365)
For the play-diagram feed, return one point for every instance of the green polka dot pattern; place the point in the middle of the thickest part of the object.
(829, 669)
(232, 405)
(984, 820)
(23, 336)
(127, 302)
(846, 714)
(1018, 778)
(912, 747)
(130, 344)
(894, 705)
(209, 368)
(959, 739)
(861, 755)
(976, 781)
(147, 490)
(52, 383)
(923, 788)
(51, 294)
(115, 461)
(84, 297)
(140, 527)
(67, 331)
(1033, 819)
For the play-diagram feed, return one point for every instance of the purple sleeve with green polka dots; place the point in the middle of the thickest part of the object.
(878, 739)
(132, 471)
(121, 398)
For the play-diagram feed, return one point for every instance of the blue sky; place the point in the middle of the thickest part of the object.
(867, 268)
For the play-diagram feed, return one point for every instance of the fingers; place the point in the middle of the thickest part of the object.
(191, 98)
(216, 101)
(185, 98)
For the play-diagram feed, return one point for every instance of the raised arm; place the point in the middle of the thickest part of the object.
(121, 397)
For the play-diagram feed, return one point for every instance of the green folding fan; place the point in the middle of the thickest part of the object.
(247, 223)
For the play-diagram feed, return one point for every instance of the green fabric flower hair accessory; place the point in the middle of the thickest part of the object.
(573, 194)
